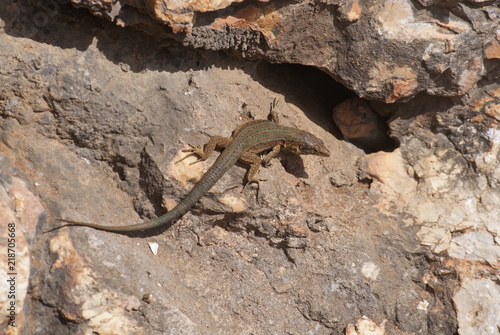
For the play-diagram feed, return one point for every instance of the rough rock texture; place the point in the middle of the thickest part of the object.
(479, 298)
(383, 50)
(94, 118)
(21, 213)
(447, 182)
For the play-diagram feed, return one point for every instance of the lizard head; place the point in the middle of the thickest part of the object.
(311, 145)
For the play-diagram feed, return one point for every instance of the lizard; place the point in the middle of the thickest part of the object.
(244, 145)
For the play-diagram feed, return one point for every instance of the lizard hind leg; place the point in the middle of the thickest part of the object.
(253, 180)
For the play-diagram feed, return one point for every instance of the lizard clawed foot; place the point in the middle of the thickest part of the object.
(266, 161)
(253, 180)
(193, 152)
(273, 116)
(274, 104)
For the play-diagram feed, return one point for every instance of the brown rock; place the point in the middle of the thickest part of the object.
(97, 115)
(492, 49)
(20, 214)
(350, 11)
(390, 53)
(360, 125)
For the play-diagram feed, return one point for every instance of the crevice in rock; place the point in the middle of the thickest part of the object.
(152, 183)
(317, 94)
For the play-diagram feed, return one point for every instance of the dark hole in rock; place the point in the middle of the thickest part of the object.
(318, 95)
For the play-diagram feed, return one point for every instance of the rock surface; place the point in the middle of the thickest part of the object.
(388, 51)
(94, 118)
(20, 215)
(478, 303)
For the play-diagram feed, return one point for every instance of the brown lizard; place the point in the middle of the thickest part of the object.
(245, 143)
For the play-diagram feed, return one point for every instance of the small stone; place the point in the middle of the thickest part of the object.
(154, 247)
(475, 245)
(436, 237)
(147, 298)
(370, 270)
(360, 125)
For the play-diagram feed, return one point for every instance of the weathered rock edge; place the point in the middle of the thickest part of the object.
(387, 51)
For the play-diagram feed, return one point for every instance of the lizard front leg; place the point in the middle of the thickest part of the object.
(254, 161)
(214, 142)
(273, 153)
